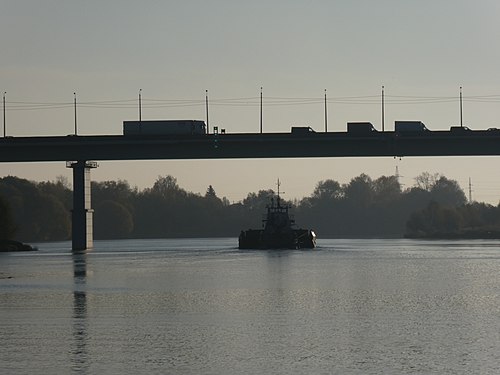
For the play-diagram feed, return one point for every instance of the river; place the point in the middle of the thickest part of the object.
(201, 306)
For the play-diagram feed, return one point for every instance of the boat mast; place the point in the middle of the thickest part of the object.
(279, 199)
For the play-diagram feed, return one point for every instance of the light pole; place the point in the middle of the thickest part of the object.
(383, 110)
(261, 110)
(4, 134)
(74, 102)
(140, 111)
(461, 118)
(326, 116)
(206, 107)
(140, 106)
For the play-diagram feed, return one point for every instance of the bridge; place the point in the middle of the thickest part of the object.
(81, 152)
(249, 145)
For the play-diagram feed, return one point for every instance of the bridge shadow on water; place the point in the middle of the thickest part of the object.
(79, 353)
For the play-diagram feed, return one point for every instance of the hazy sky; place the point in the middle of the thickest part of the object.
(106, 50)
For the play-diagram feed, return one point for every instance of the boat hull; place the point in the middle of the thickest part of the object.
(293, 239)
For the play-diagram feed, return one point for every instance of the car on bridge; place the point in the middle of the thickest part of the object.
(302, 130)
(459, 129)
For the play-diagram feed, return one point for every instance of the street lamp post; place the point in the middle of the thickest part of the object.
(383, 110)
(4, 133)
(74, 103)
(206, 110)
(326, 115)
(461, 118)
(140, 111)
(261, 110)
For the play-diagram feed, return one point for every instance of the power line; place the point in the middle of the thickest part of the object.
(250, 102)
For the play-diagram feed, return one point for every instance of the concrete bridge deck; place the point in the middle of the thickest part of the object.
(249, 145)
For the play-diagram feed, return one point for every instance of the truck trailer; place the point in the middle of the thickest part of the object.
(164, 127)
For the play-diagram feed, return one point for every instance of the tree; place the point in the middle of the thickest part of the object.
(40, 215)
(115, 190)
(386, 188)
(441, 189)
(448, 192)
(166, 187)
(435, 218)
(60, 189)
(363, 207)
(259, 201)
(360, 191)
(327, 190)
(210, 192)
(51, 220)
(112, 220)
(417, 224)
(426, 181)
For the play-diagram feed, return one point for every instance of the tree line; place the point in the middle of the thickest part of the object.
(364, 207)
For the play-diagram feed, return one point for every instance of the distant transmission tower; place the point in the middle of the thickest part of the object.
(470, 191)
(398, 176)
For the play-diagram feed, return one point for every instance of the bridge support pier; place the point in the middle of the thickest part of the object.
(82, 214)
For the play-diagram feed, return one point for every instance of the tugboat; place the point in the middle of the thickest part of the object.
(278, 231)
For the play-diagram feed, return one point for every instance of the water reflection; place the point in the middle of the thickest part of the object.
(79, 353)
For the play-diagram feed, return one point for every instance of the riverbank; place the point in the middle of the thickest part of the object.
(471, 234)
(11, 245)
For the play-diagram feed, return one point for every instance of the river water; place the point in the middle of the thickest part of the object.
(201, 306)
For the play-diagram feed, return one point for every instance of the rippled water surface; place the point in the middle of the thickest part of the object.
(204, 307)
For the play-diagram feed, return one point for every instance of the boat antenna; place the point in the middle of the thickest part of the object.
(279, 198)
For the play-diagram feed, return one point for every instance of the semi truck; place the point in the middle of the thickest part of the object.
(164, 127)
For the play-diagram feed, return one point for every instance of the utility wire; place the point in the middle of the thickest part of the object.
(250, 102)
